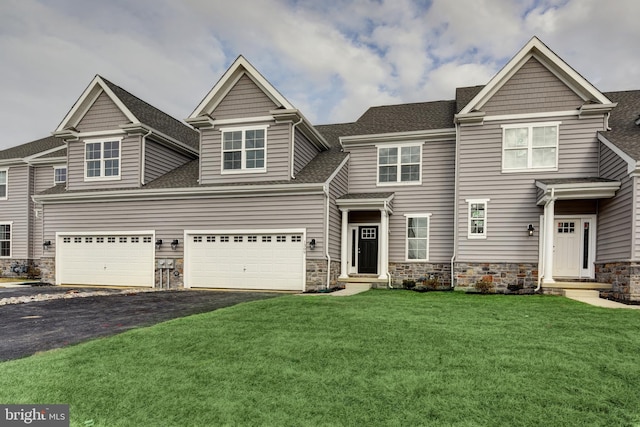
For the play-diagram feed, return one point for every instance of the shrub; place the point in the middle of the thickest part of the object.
(485, 287)
(33, 272)
(408, 283)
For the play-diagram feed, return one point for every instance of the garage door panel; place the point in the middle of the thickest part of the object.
(250, 261)
(106, 260)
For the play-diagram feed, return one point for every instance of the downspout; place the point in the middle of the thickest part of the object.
(387, 251)
(455, 205)
(541, 267)
(143, 150)
(293, 145)
(325, 188)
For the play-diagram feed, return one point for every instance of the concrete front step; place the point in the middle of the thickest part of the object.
(362, 279)
(580, 293)
(578, 285)
(352, 289)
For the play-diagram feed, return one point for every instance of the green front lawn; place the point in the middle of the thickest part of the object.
(379, 358)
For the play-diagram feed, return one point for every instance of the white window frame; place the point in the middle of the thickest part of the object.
(243, 159)
(57, 168)
(406, 238)
(471, 202)
(530, 126)
(6, 183)
(399, 164)
(10, 224)
(102, 160)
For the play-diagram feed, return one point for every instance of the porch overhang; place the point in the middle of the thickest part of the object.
(366, 202)
(575, 189)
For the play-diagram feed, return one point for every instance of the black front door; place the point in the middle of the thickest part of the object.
(368, 249)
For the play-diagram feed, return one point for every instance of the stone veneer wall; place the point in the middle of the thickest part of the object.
(7, 264)
(624, 278)
(317, 274)
(176, 275)
(506, 277)
(400, 271)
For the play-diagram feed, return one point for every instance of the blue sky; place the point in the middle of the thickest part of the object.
(331, 59)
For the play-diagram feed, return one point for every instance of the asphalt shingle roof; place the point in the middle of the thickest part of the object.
(625, 133)
(31, 148)
(155, 118)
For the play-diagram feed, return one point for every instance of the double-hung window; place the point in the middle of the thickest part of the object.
(59, 174)
(399, 164)
(5, 240)
(417, 237)
(477, 219)
(102, 159)
(4, 184)
(530, 147)
(244, 149)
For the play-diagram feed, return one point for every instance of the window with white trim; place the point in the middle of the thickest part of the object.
(399, 164)
(59, 174)
(530, 146)
(102, 159)
(477, 219)
(4, 184)
(5, 240)
(417, 243)
(244, 149)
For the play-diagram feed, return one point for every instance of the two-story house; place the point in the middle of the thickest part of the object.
(528, 182)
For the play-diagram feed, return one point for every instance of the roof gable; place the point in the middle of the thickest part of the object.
(545, 56)
(240, 67)
(245, 99)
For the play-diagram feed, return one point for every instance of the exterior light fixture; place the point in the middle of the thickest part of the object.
(312, 244)
(174, 244)
(530, 229)
(158, 243)
(46, 244)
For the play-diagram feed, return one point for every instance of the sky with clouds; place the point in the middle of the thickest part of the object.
(331, 59)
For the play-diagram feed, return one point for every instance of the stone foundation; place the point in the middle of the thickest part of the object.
(317, 274)
(176, 275)
(501, 277)
(18, 268)
(624, 278)
(400, 271)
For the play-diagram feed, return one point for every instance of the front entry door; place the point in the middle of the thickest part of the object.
(368, 249)
(566, 254)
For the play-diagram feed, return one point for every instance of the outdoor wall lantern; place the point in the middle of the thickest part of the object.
(312, 244)
(158, 243)
(530, 229)
(46, 244)
(174, 244)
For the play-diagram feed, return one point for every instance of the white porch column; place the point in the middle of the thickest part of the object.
(549, 217)
(384, 244)
(344, 244)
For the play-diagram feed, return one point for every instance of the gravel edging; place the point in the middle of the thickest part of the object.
(71, 293)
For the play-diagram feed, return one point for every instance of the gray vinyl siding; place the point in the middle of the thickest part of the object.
(245, 99)
(615, 216)
(338, 187)
(160, 159)
(304, 152)
(434, 196)
(42, 179)
(16, 209)
(512, 204)
(103, 114)
(169, 218)
(533, 88)
(277, 157)
(129, 166)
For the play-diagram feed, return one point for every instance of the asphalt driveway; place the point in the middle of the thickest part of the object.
(26, 329)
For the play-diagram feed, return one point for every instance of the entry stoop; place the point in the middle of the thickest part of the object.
(352, 289)
(580, 293)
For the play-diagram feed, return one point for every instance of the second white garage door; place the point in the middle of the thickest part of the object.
(105, 259)
(245, 260)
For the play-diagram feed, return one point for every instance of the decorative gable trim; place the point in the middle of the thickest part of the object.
(538, 50)
(97, 86)
(239, 68)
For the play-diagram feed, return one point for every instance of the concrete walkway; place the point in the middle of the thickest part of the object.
(593, 298)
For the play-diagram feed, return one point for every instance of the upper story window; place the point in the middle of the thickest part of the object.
(417, 237)
(244, 149)
(399, 164)
(477, 219)
(59, 174)
(4, 184)
(102, 159)
(532, 146)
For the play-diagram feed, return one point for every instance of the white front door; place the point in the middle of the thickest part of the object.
(566, 253)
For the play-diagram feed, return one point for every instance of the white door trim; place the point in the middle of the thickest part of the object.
(352, 264)
(585, 273)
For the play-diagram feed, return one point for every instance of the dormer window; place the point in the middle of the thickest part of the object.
(102, 159)
(244, 149)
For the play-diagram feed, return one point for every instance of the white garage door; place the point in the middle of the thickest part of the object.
(105, 259)
(274, 261)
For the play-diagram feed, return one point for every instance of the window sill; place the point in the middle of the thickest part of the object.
(476, 237)
(417, 260)
(242, 171)
(532, 170)
(398, 184)
(101, 178)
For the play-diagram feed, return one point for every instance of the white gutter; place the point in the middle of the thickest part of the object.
(326, 236)
(387, 251)
(143, 148)
(455, 205)
(293, 144)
